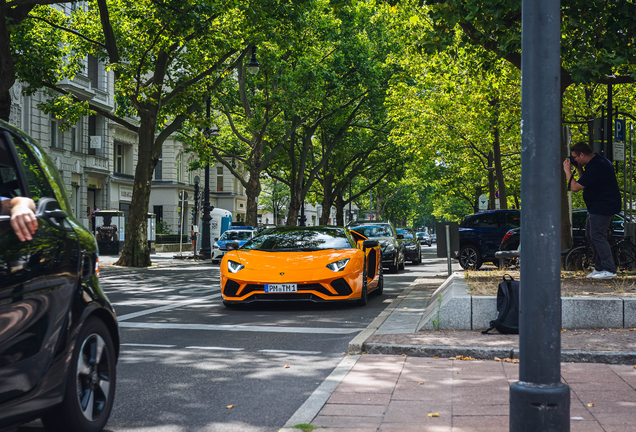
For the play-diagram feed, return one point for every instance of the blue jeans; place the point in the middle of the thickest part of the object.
(596, 234)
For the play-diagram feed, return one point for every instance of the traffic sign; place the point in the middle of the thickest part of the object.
(483, 202)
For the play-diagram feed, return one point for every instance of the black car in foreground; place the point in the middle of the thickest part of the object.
(412, 250)
(384, 232)
(59, 339)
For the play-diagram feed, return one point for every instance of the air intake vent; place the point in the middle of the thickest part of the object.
(231, 288)
(342, 287)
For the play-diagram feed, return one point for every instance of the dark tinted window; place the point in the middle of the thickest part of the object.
(406, 233)
(285, 239)
(513, 220)
(486, 220)
(38, 184)
(370, 231)
(9, 184)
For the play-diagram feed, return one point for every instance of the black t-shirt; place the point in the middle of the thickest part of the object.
(601, 194)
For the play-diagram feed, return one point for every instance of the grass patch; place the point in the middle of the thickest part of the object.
(307, 427)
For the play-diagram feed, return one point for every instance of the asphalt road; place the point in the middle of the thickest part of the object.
(185, 358)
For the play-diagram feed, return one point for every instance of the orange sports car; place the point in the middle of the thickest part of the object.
(320, 264)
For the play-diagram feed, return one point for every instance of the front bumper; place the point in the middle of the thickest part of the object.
(388, 258)
(344, 288)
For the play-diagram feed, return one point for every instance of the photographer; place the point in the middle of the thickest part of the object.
(602, 198)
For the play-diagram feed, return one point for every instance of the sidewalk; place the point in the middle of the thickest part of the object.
(463, 377)
(161, 259)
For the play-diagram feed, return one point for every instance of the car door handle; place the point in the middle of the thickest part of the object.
(56, 214)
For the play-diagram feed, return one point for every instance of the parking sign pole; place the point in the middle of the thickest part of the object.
(539, 401)
(448, 250)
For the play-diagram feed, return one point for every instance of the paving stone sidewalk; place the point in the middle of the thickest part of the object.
(401, 393)
(431, 392)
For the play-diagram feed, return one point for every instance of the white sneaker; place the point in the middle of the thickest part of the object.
(604, 275)
(593, 274)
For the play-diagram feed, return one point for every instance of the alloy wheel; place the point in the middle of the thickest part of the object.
(93, 377)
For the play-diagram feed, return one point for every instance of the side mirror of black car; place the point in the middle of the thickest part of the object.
(370, 244)
(232, 246)
(400, 236)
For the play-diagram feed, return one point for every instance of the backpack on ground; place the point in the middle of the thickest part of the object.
(507, 320)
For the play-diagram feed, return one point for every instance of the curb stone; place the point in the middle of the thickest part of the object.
(357, 343)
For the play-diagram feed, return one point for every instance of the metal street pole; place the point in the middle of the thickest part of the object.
(206, 249)
(539, 401)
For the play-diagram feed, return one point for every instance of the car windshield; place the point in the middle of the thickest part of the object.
(422, 234)
(300, 239)
(406, 233)
(236, 235)
(370, 231)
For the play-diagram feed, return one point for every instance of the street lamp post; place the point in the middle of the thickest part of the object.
(539, 401)
(206, 249)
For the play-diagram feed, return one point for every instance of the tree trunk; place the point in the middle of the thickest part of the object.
(491, 182)
(340, 204)
(327, 198)
(501, 184)
(252, 191)
(136, 252)
(7, 67)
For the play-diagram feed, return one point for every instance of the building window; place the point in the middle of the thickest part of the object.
(119, 158)
(74, 139)
(26, 114)
(158, 211)
(159, 169)
(92, 131)
(56, 134)
(219, 179)
(179, 166)
(93, 73)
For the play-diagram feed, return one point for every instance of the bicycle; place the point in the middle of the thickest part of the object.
(581, 258)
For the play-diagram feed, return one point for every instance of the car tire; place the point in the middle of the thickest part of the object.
(215, 261)
(402, 266)
(470, 257)
(90, 382)
(395, 268)
(418, 260)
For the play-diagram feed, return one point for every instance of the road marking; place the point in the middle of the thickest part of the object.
(242, 328)
(148, 345)
(288, 351)
(163, 308)
(201, 290)
(215, 348)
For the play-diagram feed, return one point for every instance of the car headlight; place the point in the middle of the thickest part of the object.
(410, 247)
(338, 265)
(216, 246)
(389, 247)
(234, 267)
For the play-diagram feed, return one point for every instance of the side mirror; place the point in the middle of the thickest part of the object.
(370, 244)
(232, 246)
(400, 237)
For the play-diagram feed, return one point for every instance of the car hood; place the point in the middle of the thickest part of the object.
(298, 261)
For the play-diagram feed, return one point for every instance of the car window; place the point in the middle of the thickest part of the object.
(285, 239)
(38, 184)
(513, 220)
(371, 231)
(236, 235)
(489, 220)
(470, 222)
(406, 233)
(9, 180)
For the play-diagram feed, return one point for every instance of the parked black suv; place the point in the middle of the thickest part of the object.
(59, 339)
(384, 232)
(480, 235)
(412, 249)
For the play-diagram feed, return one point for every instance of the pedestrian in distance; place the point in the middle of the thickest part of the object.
(22, 211)
(602, 199)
